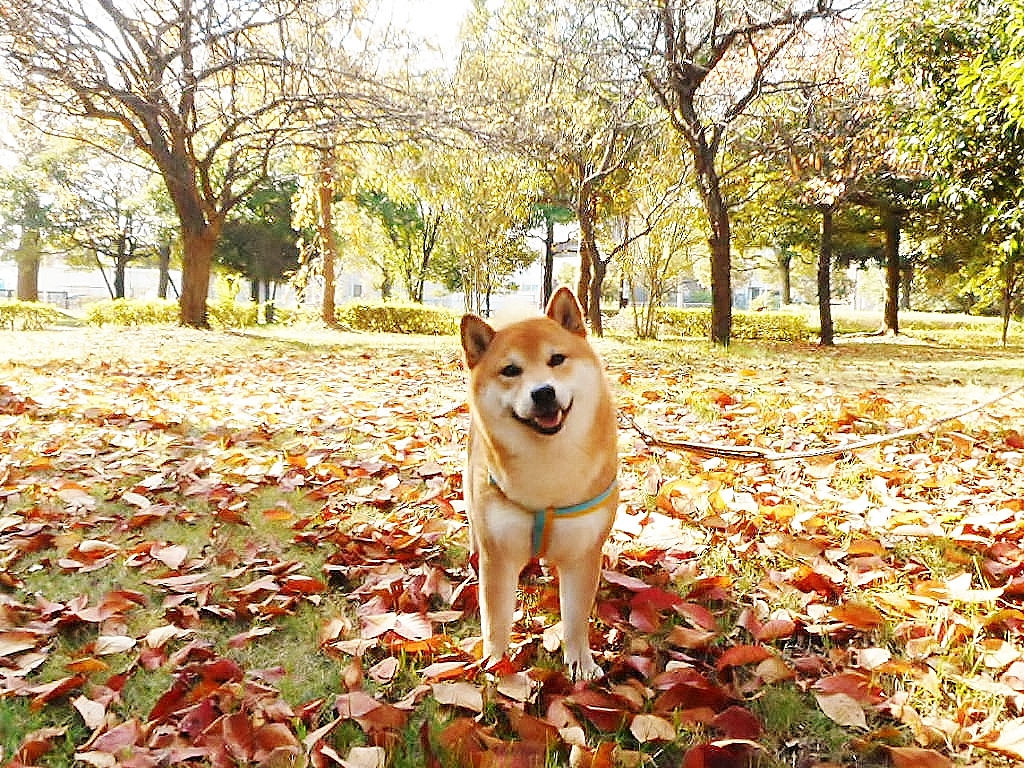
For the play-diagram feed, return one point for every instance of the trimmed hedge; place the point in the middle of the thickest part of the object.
(221, 314)
(764, 326)
(398, 318)
(32, 315)
(132, 312)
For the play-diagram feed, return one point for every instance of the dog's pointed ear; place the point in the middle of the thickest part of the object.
(565, 310)
(476, 337)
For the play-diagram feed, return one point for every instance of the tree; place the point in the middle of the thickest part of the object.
(546, 84)
(259, 242)
(103, 212)
(206, 89)
(706, 62)
(952, 70)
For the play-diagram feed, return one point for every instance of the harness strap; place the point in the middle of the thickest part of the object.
(543, 518)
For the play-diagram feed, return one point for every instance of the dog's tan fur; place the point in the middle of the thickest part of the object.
(532, 449)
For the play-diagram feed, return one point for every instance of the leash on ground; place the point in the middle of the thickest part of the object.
(753, 453)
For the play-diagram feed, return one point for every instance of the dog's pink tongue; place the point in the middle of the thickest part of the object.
(548, 421)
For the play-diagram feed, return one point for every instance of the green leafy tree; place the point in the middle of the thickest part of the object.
(259, 242)
(954, 81)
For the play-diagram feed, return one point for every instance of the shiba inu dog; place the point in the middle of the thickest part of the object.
(542, 468)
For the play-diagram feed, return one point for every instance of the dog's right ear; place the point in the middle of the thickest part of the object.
(476, 338)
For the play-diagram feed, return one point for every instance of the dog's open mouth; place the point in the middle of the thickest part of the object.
(546, 421)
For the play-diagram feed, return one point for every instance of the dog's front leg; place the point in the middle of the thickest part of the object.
(499, 577)
(577, 589)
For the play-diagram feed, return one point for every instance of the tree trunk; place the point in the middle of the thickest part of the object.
(906, 284)
(328, 240)
(1010, 279)
(28, 259)
(198, 244)
(596, 283)
(785, 262)
(718, 241)
(588, 246)
(891, 321)
(547, 282)
(119, 268)
(164, 261)
(827, 338)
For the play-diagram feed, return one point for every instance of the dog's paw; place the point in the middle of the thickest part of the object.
(584, 668)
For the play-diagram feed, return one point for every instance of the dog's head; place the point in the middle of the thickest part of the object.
(535, 371)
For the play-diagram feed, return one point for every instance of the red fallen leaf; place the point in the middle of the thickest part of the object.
(811, 581)
(629, 582)
(87, 666)
(48, 691)
(602, 757)
(275, 745)
(173, 700)
(721, 754)
(243, 638)
(687, 689)
(1014, 439)
(738, 723)
(775, 629)
(695, 639)
(647, 606)
(606, 711)
(715, 588)
(530, 728)
(302, 585)
(236, 731)
(698, 615)
(914, 757)
(118, 738)
(857, 615)
(463, 740)
(853, 684)
(741, 655)
(198, 719)
(370, 713)
(221, 671)
(37, 744)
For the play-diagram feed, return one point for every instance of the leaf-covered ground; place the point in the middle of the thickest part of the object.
(227, 550)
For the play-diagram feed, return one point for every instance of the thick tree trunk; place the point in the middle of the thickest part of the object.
(199, 245)
(717, 214)
(28, 259)
(891, 321)
(827, 338)
(119, 268)
(785, 262)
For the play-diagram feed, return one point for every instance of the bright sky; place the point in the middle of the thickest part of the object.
(439, 20)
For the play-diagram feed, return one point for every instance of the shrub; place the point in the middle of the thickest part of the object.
(32, 315)
(764, 326)
(398, 318)
(132, 312)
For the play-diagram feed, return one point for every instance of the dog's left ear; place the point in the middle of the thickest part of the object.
(565, 310)
(476, 338)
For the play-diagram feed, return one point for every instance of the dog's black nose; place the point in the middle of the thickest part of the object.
(544, 397)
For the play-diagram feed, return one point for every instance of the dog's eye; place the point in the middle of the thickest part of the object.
(556, 360)
(510, 371)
